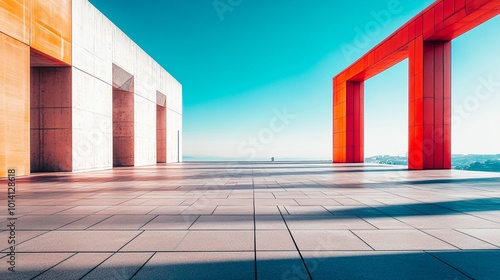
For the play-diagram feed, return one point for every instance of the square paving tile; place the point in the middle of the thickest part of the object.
(127, 209)
(274, 240)
(164, 201)
(85, 223)
(234, 210)
(325, 240)
(170, 222)
(489, 235)
(119, 266)
(326, 222)
(267, 210)
(169, 210)
(316, 201)
(448, 221)
(217, 241)
(275, 202)
(387, 223)
(315, 210)
(270, 222)
(348, 201)
(33, 264)
(378, 265)
(226, 202)
(199, 265)
(75, 267)
(44, 222)
(280, 265)
(459, 239)
(151, 241)
(199, 209)
(134, 201)
(85, 210)
(78, 241)
(42, 210)
(401, 240)
(475, 264)
(97, 201)
(123, 222)
(223, 222)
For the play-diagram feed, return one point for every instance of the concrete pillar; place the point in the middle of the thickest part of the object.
(51, 119)
(429, 104)
(123, 128)
(348, 138)
(161, 134)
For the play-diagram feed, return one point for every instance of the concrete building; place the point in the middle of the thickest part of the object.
(77, 94)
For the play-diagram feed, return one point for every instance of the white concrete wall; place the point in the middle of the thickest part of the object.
(174, 121)
(97, 44)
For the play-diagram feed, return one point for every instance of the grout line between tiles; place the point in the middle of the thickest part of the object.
(296, 247)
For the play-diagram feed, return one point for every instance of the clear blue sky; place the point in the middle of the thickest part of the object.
(257, 74)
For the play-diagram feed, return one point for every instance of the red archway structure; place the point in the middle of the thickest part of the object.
(425, 41)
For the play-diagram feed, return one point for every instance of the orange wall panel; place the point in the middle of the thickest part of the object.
(15, 106)
(15, 19)
(51, 28)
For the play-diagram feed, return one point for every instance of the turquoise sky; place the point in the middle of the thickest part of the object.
(257, 74)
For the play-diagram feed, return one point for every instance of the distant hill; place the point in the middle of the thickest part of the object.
(489, 163)
(386, 159)
(477, 162)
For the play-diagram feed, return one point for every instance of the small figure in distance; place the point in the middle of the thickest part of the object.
(272, 158)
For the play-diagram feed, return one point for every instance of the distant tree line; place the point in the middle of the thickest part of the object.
(489, 163)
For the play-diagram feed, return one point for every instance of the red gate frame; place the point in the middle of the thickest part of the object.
(426, 41)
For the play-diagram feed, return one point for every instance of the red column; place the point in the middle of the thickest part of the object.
(348, 122)
(429, 104)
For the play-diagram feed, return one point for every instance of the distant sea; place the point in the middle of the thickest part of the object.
(473, 162)
(211, 158)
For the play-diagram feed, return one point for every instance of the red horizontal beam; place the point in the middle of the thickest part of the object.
(444, 20)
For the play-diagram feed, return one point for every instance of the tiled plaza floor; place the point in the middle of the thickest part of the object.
(255, 221)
